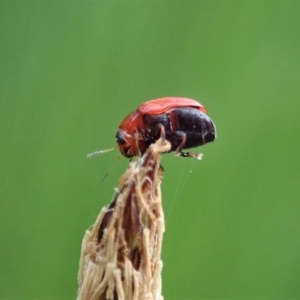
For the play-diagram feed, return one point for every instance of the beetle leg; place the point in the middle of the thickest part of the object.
(181, 146)
(182, 135)
(162, 132)
(190, 154)
(138, 137)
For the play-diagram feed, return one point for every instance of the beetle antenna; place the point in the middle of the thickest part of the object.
(100, 152)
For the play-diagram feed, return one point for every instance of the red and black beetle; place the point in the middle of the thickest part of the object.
(184, 120)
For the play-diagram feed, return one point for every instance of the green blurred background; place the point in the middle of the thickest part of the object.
(72, 70)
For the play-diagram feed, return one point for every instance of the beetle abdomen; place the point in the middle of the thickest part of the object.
(192, 123)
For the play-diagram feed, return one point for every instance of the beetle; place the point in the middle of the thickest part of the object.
(183, 120)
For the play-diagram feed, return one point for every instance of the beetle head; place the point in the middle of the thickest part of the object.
(126, 143)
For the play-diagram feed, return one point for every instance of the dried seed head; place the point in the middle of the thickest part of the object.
(120, 256)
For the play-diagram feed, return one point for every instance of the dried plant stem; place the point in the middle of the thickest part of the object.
(120, 256)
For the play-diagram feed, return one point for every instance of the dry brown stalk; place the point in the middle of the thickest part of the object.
(120, 256)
